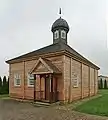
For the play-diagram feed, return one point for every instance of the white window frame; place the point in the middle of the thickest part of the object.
(75, 77)
(17, 76)
(63, 32)
(30, 77)
(56, 34)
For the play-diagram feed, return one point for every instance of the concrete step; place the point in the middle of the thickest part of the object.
(41, 104)
(44, 104)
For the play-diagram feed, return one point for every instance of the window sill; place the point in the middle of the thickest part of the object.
(17, 85)
(75, 86)
(30, 86)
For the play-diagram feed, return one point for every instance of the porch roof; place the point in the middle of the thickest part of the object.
(49, 67)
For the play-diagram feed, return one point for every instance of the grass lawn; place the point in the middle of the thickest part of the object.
(4, 96)
(96, 106)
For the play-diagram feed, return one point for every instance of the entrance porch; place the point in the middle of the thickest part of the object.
(45, 83)
(45, 88)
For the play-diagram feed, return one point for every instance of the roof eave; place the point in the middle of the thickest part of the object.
(19, 59)
(67, 52)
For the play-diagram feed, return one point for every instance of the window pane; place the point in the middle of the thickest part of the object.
(31, 82)
(30, 79)
(56, 34)
(75, 80)
(17, 79)
(63, 34)
(31, 76)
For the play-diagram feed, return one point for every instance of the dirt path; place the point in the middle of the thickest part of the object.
(13, 110)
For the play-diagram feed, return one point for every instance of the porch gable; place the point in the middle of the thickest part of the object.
(44, 66)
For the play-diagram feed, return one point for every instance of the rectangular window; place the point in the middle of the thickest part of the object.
(56, 34)
(63, 34)
(17, 80)
(75, 80)
(30, 80)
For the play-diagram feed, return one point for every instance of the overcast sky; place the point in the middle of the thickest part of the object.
(25, 25)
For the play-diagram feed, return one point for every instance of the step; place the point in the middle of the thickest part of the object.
(44, 104)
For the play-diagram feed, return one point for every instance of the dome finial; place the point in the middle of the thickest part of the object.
(60, 12)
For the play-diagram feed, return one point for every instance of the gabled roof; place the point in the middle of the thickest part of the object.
(57, 47)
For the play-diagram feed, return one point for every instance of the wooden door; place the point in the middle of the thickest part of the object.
(47, 88)
(55, 89)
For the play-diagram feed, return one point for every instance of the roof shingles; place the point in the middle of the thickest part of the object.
(57, 47)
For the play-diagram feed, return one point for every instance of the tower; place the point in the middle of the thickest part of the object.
(60, 29)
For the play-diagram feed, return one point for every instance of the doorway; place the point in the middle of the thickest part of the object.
(47, 88)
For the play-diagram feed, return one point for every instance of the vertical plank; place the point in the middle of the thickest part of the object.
(40, 88)
(89, 81)
(81, 81)
(94, 82)
(51, 88)
(24, 82)
(70, 86)
(34, 87)
(45, 87)
(64, 76)
(10, 78)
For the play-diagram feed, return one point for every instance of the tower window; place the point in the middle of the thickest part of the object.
(63, 34)
(56, 34)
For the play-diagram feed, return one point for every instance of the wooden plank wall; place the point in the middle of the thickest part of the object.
(91, 81)
(23, 68)
(87, 79)
(16, 91)
(66, 77)
(76, 69)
